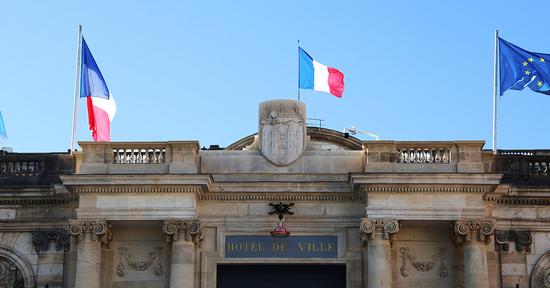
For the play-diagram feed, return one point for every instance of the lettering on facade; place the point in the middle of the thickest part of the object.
(292, 247)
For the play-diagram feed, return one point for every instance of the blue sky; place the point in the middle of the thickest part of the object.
(196, 70)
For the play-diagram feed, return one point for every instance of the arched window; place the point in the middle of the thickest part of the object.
(10, 275)
(15, 269)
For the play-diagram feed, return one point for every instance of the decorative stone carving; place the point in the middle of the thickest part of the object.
(99, 230)
(386, 227)
(42, 239)
(189, 229)
(464, 230)
(128, 259)
(540, 277)
(522, 240)
(282, 131)
(409, 260)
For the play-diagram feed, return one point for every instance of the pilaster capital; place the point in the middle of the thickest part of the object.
(521, 238)
(99, 230)
(41, 240)
(476, 229)
(188, 230)
(385, 227)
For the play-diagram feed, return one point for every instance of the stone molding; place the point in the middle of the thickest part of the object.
(25, 201)
(385, 227)
(99, 230)
(425, 188)
(282, 196)
(190, 230)
(522, 240)
(478, 229)
(141, 189)
(512, 200)
(42, 239)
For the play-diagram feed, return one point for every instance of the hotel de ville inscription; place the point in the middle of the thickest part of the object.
(238, 246)
(282, 131)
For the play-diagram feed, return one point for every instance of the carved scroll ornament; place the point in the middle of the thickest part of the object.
(189, 229)
(388, 228)
(465, 230)
(98, 230)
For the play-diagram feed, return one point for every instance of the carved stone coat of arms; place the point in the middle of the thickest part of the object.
(282, 131)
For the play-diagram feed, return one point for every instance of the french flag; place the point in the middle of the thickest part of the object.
(316, 76)
(101, 105)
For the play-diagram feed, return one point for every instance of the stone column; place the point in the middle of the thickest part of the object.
(183, 234)
(89, 235)
(474, 235)
(378, 234)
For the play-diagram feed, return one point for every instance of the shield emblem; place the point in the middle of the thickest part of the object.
(282, 131)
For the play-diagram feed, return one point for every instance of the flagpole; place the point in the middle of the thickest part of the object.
(495, 90)
(76, 85)
(298, 69)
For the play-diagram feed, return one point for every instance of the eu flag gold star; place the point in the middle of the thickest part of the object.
(541, 60)
(527, 72)
(524, 63)
(539, 83)
(530, 59)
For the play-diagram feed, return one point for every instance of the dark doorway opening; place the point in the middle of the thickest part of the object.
(281, 276)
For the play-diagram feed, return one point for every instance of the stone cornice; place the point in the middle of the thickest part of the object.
(426, 178)
(51, 200)
(280, 196)
(80, 180)
(113, 183)
(536, 201)
(137, 189)
(438, 188)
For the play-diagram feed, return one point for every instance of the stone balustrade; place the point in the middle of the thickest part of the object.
(20, 167)
(526, 166)
(17, 168)
(430, 155)
(139, 155)
(170, 157)
(425, 156)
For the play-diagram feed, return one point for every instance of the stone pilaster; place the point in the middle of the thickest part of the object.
(378, 235)
(89, 235)
(474, 235)
(183, 234)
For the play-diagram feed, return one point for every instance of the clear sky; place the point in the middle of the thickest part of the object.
(196, 70)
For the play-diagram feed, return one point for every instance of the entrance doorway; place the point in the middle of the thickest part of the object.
(281, 276)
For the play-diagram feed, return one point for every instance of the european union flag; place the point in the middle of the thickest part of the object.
(520, 68)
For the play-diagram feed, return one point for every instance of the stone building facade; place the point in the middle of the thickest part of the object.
(361, 213)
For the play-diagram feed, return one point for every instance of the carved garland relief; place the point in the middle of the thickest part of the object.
(128, 258)
(408, 259)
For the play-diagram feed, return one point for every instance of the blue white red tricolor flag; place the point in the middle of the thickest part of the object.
(316, 76)
(101, 105)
